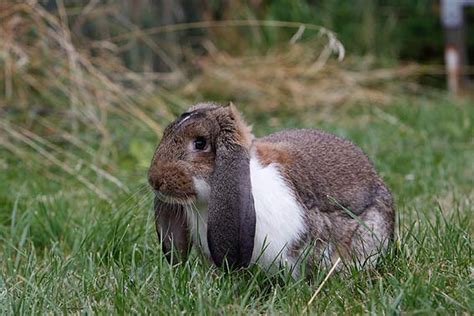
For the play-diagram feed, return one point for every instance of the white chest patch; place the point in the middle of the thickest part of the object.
(197, 216)
(279, 216)
(197, 220)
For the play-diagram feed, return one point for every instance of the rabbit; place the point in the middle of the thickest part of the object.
(296, 193)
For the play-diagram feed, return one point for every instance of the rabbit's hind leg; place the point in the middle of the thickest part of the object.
(372, 234)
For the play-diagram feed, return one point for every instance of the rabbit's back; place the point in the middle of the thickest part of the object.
(327, 172)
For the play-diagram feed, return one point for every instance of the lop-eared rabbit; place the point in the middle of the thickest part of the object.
(271, 200)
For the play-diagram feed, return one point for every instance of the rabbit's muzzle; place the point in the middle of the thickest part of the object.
(171, 180)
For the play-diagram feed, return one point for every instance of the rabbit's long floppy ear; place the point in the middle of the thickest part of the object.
(172, 228)
(231, 223)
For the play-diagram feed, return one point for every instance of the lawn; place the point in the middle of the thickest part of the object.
(77, 232)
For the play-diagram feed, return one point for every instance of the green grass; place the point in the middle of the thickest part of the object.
(64, 250)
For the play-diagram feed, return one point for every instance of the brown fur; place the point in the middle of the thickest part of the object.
(340, 184)
(173, 165)
(332, 178)
(176, 163)
(268, 153)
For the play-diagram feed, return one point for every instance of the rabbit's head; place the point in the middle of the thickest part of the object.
(185, 159)
(204, 154)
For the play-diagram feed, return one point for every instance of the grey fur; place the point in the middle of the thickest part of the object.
(172, 230)
(349, 211)
(231, 225)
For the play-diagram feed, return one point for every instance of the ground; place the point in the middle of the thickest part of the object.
(64, 249)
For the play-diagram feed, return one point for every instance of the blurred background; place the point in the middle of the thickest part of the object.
(86, 87)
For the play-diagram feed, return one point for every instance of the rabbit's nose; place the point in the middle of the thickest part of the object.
(154, 179)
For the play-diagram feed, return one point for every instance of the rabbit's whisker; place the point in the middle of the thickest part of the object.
(173, 200)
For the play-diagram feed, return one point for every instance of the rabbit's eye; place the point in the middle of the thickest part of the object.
(200, 143)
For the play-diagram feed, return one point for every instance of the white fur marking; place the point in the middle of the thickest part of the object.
(202, 188)
(197, 214)
(279, 216)
(185, 119)
(197, 220)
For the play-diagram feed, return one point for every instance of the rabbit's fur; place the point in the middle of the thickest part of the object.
(275, 199)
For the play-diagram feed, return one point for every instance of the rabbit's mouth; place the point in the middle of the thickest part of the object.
(173, 199)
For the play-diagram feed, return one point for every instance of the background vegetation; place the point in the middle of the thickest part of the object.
(87, 87)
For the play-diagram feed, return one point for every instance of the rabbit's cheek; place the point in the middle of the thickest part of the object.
(172, 180)
(201, 164)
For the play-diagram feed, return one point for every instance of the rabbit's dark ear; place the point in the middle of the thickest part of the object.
(231, 223)
(172, 229)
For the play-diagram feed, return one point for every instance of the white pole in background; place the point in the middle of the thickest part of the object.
(455, 54)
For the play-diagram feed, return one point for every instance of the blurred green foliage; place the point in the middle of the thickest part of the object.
(387, 29)
(391, 30)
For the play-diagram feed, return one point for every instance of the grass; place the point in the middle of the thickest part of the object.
(63, 249)
(78, 130)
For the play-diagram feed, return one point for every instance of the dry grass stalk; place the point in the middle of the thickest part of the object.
(52, 65)
(48, 70)
(43, 152)
(330, 272)
(295, 77)
(79, 84)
